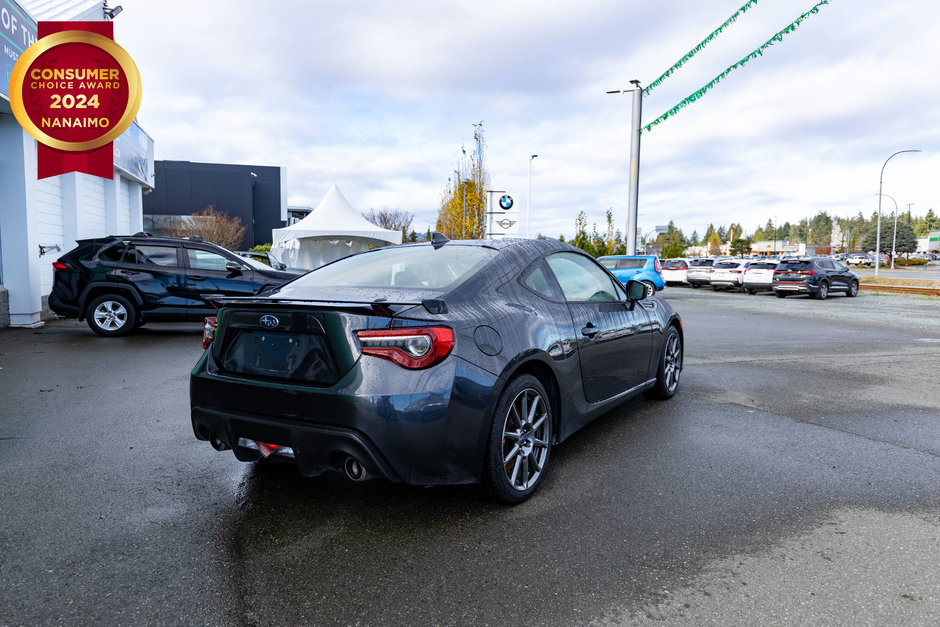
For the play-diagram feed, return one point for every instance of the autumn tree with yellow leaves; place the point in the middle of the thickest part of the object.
(463, 203)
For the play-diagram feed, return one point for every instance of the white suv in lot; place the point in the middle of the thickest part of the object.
(675, 271)
(759, 276)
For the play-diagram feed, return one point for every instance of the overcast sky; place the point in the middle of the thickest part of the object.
(379, 96)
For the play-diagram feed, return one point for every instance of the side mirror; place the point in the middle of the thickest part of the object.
(234, 267)
(636, 291)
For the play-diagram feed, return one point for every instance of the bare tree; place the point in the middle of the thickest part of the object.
(213, 226)
(391, 219)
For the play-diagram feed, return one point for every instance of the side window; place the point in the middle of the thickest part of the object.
(148, 255)
(538, 278)
(825, 264)
(112, 253)
(206, 260)
(581, 279)
(841, 267)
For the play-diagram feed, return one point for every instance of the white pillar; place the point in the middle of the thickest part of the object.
(20, 247)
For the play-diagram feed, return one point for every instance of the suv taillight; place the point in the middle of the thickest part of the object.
(657, 267)
(208, 330)
(58, 266)
(410, 347)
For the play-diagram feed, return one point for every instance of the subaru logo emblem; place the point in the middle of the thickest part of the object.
(269, 321)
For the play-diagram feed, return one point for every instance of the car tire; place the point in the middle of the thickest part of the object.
(650, 287)
(823, 292)
(853, 289)
(670, 366)
(780, 294)
(751, 292)
(694, 286)
(111, 315)
(520, 441)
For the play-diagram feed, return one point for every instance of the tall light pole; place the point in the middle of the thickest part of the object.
(878, 232)
(634, 163)
(528, 199)
(894, 238)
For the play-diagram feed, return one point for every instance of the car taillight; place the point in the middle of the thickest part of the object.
(58, 266)
(656, 266)
(409, 347)
(808, 272)
(208, 330)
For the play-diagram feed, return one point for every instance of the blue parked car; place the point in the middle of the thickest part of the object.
(643, 268)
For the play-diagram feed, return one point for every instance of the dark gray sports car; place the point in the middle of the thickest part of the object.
(440, 363)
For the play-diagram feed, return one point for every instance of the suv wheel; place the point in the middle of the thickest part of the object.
(853, 289)
(111, 315)
(823, 290)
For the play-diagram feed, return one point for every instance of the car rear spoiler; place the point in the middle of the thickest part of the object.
(380, 306)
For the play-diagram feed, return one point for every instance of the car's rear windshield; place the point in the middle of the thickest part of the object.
(727, 264)
(794, 264)
(613, 263)
(701, 262)
(675, 264)
(420, 267)
(762, 265)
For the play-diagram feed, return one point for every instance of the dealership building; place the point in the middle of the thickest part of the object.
(42, 218)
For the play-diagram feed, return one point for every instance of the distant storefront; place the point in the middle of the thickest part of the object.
(42, 218)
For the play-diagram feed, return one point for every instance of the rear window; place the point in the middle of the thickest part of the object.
(419, 267)
(675, 264)
(727, 264)
(698, 263)
(762, 265)
(794, 265)
(612, 263)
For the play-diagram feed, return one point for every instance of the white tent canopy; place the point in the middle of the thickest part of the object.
(331, 231)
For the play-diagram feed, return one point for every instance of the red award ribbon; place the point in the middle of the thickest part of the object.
(75, 91)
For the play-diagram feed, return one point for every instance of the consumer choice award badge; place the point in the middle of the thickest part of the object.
(75, 90)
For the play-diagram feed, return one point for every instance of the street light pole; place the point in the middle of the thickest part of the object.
(894, 239)
(528, 199)
(878, 231)
(634, 188)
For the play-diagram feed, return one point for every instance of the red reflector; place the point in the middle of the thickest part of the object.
(208, 330)
(59, 266)
(267, 449)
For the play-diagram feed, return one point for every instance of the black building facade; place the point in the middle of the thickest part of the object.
(252, 193)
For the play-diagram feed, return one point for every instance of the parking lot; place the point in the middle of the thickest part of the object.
(795, 478)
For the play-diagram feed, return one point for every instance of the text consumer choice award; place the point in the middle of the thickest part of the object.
(75, 91)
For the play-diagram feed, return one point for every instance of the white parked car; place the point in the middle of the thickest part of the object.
(727, 274)
(675, 271)
(759, 276)
(699, 272)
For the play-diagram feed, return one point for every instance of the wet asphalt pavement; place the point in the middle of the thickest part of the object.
(795, 478)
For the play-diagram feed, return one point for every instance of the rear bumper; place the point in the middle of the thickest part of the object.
(61, 308)
(424, 428)
(800, 288)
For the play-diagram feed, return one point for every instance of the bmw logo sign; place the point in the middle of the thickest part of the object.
(505, 202)
(269, 321)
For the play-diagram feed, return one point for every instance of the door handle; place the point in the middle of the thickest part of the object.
(198, 278)
(589, 330)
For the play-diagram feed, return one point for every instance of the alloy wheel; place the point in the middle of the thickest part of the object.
(526, 439)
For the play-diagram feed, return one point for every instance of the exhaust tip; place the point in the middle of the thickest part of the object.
(217, 443)
(354, 470)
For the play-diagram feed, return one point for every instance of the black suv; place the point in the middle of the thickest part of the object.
(117, 283)
(817, 276)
